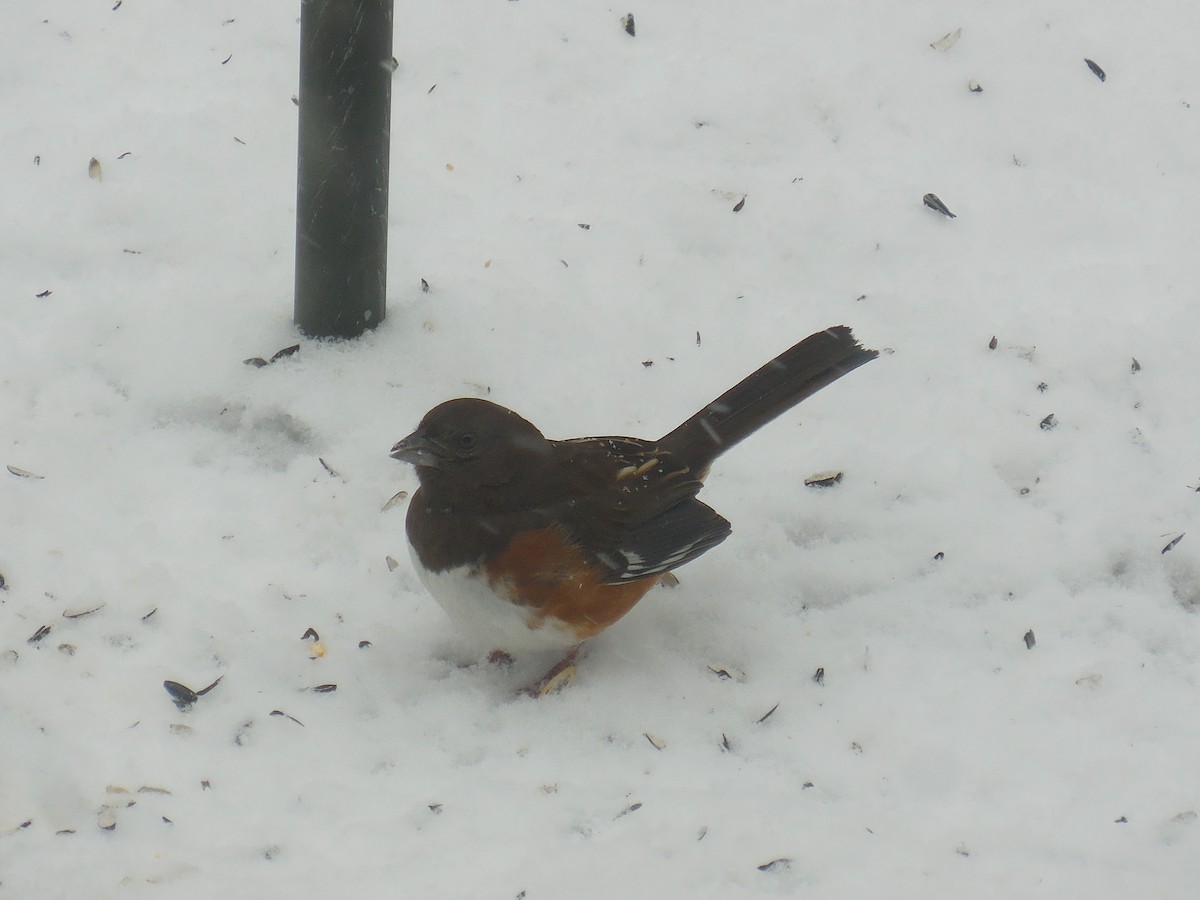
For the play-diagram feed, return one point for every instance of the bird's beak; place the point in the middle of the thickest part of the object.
(417, 450)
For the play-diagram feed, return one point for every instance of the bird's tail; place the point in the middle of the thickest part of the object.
(818, 360)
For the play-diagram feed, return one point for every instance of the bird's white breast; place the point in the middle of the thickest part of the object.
(488, 618)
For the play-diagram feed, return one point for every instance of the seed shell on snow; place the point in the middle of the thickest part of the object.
(25, 473)
(656, 742)
(782, 863)
(770, 712)
(935, 203)
(38, 635)
(1171, 545)
(824, 479)
(946, 41)
(280, 712)
(80, 612)
(1096, 70)
(181, 695)
(396, 498)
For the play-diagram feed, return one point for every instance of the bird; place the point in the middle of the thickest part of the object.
(534, 544)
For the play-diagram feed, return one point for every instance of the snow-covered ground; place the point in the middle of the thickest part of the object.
(184, 498)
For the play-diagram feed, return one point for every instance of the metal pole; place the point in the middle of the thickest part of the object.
(342, 182)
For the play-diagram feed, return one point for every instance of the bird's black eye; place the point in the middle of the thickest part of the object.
(466, 441)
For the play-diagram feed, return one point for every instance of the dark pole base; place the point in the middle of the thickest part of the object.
(342, 185)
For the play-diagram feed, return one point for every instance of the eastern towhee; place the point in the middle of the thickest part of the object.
(536, 544)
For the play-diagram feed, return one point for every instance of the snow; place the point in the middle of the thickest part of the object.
(939, 757)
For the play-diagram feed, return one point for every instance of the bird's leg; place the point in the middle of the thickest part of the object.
(557, 678)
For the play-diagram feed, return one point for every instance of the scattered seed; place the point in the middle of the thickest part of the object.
(295, 100)
(974, 86)
(435, 808)
(181, 695)
(656, 743)
(770, 712)
(391, 563)
(737, 207)
(328, 468)
(1048, 423)
(227, 59)
(25, 473)
(3, 583)
(697, 339)
(993, 343)
(363, 645)
(726, 747)
(1121, 821)
(149, 789)
(702, 832)
(647, 363)
(1172, 544)
(65, 831)
(80, 613)
(396, 498)
(939, 556)
(855, 747)
(782, 863)
(824, 479)
(44, 294)
(107, 819)
(280, 712)
(1042, 387)
(205, 784)
(934, 202)
(431, 87)
(1134, 368)
(806, 785)
(1030, 640)
(203, 691)
(424, 286)
(310, 633)
(149, 614)
(627, 24)
(946, 41)
(819, 676)
(324, 689)
(585, 226)
(257, 361)
(1096, 70)
(723, 674)
(94, 171)
(633, 807)
(38, 635)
